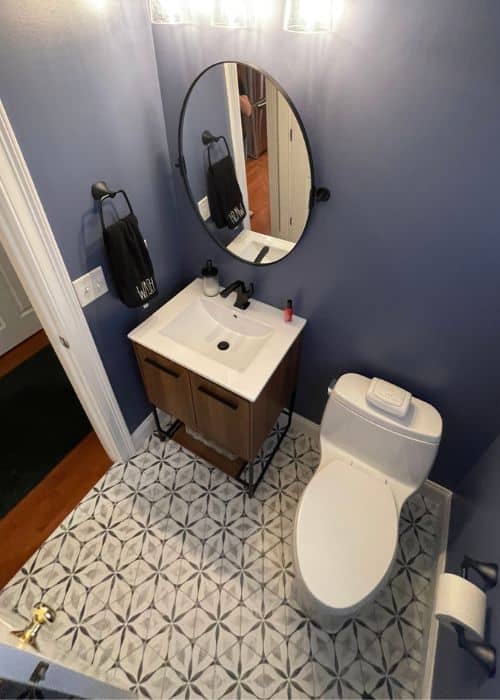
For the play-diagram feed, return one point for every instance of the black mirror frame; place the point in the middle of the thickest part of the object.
(317, 194)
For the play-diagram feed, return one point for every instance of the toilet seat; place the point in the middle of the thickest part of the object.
(346, 533)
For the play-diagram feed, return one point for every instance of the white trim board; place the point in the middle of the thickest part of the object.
(432, 638)
(310, 428)
(234, 117)
(29, 241)
(145, 429)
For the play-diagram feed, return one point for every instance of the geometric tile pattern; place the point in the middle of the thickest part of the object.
(172, 579)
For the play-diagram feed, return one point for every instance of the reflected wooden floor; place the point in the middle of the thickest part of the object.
(34, 518)
(258, 193)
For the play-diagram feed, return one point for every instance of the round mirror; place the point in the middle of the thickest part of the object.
(246, 162)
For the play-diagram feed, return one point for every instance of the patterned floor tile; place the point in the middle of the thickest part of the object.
(143, 672)
(239, 673)
(190, 674)
(289, 672)
(171, 578)
(174, 618)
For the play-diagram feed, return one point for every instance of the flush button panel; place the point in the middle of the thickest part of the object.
(388, 397)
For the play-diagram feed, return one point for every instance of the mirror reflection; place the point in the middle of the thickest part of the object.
(245, 162)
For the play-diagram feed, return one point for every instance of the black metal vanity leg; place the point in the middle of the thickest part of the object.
(165, 434)
(159, 429)
(251, 486)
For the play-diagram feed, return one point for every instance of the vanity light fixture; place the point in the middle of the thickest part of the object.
(312, 15)
(232, 14)
(169, 11)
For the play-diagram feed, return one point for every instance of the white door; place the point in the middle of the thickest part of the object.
(49, 668)
(289, 169)
(17, 319)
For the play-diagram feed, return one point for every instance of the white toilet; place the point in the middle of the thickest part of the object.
(378, 444)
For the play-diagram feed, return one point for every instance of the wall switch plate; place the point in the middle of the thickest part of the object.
(91, 286)
(204, 209)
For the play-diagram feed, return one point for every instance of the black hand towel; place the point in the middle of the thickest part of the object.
(224, 194)
(129, 262)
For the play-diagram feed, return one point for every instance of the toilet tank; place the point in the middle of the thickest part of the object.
(402, 448)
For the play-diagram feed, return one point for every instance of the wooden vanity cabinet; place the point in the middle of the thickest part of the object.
(166, 383)
(221, 416)
(233, 423)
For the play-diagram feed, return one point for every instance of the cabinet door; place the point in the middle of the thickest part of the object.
(221, 416)
(167, 385)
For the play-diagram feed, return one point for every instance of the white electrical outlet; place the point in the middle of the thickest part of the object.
(90, 286)
(204, 209)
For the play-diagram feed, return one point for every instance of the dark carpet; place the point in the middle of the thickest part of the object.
(41, 421)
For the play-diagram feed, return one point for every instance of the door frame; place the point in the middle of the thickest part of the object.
(234, 117)
(30, 244)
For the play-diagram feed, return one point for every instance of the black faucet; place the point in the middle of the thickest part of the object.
(242, 293)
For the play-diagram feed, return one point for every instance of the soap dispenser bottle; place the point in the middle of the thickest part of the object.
(210, 280)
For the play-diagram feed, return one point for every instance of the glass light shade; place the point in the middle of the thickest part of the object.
(312, 15)
(170, 11)
(232, 14)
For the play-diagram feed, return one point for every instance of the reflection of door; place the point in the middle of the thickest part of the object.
(289, 170)
(17, 319)
(49, 672)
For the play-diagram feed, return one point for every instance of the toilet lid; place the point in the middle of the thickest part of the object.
(345, 535)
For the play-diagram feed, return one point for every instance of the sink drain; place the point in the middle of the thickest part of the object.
(223, 345)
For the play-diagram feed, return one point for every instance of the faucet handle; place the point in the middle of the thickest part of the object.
(250, 289)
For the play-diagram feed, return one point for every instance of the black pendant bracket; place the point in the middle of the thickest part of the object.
(100, 189)
(484, 653)
(322, 194)
(208, 138)
(100, 192)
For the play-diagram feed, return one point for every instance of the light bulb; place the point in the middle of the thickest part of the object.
(312, 15)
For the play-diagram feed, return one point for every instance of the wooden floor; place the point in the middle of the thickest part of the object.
(258, 193)
(22, 352)
(32, 520)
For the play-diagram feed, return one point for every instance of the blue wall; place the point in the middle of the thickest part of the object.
(398, 274)
(79, 83)
(207, 109)
(474, 531)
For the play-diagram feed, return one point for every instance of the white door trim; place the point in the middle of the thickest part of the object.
(28, 239)
(234, 115)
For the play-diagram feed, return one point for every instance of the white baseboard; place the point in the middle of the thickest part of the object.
(144, 429)
(432, 639)
(307, 426)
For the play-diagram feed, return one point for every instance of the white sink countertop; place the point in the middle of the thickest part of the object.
(189, 327)
(248, 245)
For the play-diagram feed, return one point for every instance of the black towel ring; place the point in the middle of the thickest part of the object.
(209, 140)
(100, 192)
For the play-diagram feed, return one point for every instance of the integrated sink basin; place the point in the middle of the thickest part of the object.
(238, 350)
(223, 334)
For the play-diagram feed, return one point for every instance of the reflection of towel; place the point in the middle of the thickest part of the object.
(224, 194)
(129, 262)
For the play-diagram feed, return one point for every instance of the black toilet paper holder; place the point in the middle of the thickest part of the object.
(484, 653)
